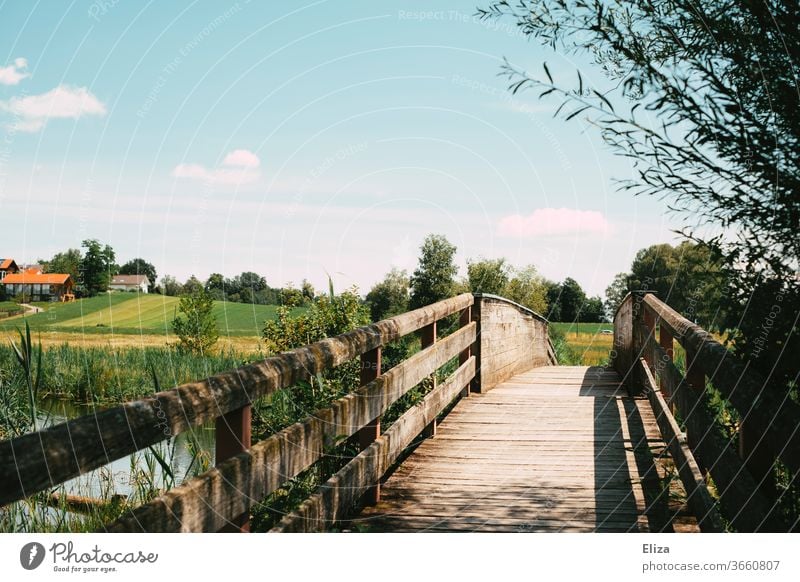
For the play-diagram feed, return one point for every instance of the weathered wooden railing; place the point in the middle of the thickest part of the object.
(768, 430)
(220, 499)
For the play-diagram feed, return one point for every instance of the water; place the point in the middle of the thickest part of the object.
(119, 475)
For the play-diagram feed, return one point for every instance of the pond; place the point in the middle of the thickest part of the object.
(183, 454)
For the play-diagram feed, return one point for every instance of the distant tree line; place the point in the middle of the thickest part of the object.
(435, 278)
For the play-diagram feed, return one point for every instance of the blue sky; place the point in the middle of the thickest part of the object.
(299, 140)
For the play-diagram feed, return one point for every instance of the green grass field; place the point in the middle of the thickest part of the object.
(8, 306)
(588, 345)
(127, 313)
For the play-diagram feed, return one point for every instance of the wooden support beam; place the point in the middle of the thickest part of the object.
(757, 458)
(370, 370)
(464, 319)
(233, 436)
(428, 338)
(666, 341)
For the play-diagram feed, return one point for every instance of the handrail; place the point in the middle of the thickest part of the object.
(777, 420)
(215, 498)
(741, 477)
(37, 461)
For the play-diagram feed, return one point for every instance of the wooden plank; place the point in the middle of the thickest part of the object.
(777, 418)
(533, 461)
(208, 501)
(336, 497)
(41, 460)
(697, 493)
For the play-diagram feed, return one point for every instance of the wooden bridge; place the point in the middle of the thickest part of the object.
(505, 440)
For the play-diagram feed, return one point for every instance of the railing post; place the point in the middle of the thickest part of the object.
(475, 385)
(464, 320)
(650, 326)
(667, 343)
(428, 338)
(370, 369)
(757, 458)
(233, 436)
(695, 378)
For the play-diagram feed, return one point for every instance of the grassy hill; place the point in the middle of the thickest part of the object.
(128, 313)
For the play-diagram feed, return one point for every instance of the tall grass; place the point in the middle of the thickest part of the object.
(110, 375)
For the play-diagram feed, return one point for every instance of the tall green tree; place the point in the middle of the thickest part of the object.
(195, 324)
(616, 292)
(192, 285)
(434, 277)
(527, 288)
(390, 296)
(553, 295)
(68, 261)
(215, 286)
(488, 275)
(170, 286)
(97, 266)
(572, 298)
(689, 277)
(139, 266)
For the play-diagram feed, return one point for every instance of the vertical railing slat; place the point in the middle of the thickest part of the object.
(428, 338)
(464, 319)
(233, 435)
(370, 369)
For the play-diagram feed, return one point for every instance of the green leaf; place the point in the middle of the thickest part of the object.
(576, 112)
(606, 101)
(547, 72)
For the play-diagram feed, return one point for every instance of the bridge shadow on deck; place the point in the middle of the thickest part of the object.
(553, 449)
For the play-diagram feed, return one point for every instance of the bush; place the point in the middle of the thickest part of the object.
(197, 329)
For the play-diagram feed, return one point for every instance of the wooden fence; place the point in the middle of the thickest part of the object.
(741, 468)
(245, 473)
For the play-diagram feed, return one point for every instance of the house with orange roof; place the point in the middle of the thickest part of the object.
(7, 266)
(35, 286)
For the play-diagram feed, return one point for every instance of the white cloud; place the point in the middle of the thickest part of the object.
(238, 167)
(242, 159)
(553, 222)
(14, 73)
(63, 102)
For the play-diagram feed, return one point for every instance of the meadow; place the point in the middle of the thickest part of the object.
(130, 313)
(585, 343)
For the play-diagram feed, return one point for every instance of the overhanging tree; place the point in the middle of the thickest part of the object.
(703, 99)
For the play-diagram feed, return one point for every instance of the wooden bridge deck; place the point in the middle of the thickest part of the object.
(552, 449)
